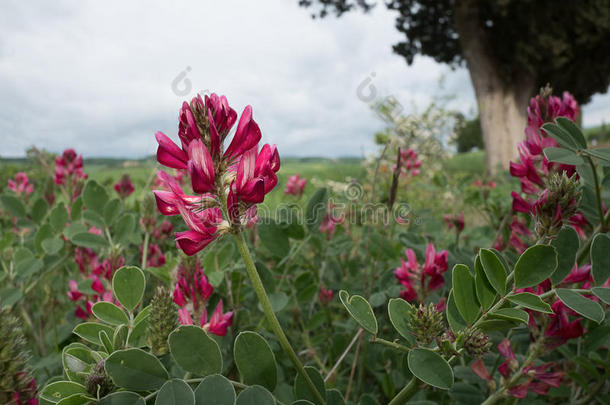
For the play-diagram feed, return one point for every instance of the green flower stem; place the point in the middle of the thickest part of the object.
(598, 195)
(145, 250)
(270, 315)
(393, 345)
(534, 352)
(406, 393)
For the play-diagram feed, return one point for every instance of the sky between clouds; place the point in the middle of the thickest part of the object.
(97, 76)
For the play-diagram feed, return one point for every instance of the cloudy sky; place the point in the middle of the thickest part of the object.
(102, 77)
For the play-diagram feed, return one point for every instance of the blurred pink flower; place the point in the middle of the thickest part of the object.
(420, 280)
(21, 184)
(295, 185)
(124, 186)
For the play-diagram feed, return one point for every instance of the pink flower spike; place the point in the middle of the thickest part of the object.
(169, 154)
(200, 167)
(246, 136)
(191, 242)
(219, 322)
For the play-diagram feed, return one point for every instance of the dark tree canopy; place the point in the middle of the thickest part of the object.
(565, 43)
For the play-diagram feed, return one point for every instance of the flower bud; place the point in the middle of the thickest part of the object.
(559, 200)
(98, 383)
(148, 211)
(426, 322)
(163, 320)
(15, 378)
(476, 343)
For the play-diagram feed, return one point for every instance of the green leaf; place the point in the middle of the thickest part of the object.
(124, 227)
(195, 351)
(464, 293)
(90, 331)
(137, 338)
(175, 392)
(535, 265)
(494, 270)
(76, 360)
(399, 311)
(562, 137)
(76, 399)
(52, 246)
(94, 196)
(135, 369)
(600, 259)
(530, 301)
(316, 209)
(93, 218)
(584, 306)
(58, 390)
(334, 397)
(572, 129)
(602, 293)
(360, 309)
(255, 360)
(255, 395)
(105, 339)
(273, 237)
(39, 210)
(602, 154)
(13, 205)
(511, 314)
(215, 390)
(431, 368)
(128, 284)
(59, 217)
(109, 313)
(302, 389)
(123, 398)
(112, 210)
(455, 320)
(89, 240)
(563, 155)
(485, 292)
(566, 242)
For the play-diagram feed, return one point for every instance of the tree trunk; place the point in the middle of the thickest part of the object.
(502, 106)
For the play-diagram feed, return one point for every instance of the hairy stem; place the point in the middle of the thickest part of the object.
(270, 315)
(406, 393)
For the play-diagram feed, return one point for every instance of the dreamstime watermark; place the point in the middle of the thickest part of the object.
(349, 210)
(182, 86)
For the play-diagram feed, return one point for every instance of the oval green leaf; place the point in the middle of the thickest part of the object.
(109, 313)
(578, 303)
(302, 389)
(175, 392)
(600, 259)
(464, 293)
(399, 311)
(135, 369)
(255, 360)
(195, 351)
(566, 242)
(90, 331)
(530, 301)
(215, 390)
(511, 314)
(128, 284)
(360, 309)
(255, 395)
(535, 265)
(431, 368)
(485, 292)
(61, 389)
(494, 270)
(122, 398)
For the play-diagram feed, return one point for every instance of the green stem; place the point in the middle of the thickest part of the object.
(598, 194)
(493, 398)
(145, 250)
(393, 345)
(270, 315)
(406, 393)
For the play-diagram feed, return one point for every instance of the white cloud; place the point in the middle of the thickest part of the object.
(97, 76)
